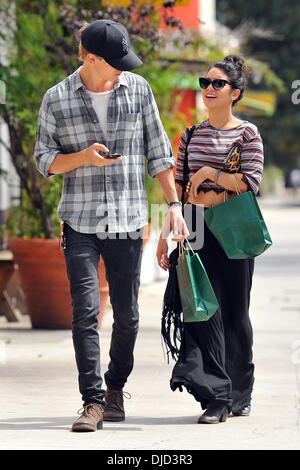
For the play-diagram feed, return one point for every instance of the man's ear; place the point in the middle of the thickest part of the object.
(91, 58)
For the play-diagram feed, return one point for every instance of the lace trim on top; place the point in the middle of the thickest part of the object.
(206, 189)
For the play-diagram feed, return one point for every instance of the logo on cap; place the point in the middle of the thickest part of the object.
(125, 45)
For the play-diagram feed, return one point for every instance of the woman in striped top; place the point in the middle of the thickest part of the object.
(216, 363)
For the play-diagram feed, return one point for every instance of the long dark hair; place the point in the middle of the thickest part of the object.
(237, 72)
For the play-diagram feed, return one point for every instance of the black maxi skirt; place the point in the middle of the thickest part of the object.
(215, 361)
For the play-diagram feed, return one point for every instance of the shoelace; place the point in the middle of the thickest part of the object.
(87, 409)
(116, 392)
(116, 397)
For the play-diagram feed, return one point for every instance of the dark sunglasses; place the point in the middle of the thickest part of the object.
(217, 84)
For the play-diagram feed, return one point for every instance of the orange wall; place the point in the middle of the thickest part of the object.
(188, 103)
(189, 14)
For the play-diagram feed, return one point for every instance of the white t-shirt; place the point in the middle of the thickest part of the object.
(100, 102)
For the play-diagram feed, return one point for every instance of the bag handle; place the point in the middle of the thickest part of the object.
(189, 131)
(236, 187)
(190, 246)
(181, 247)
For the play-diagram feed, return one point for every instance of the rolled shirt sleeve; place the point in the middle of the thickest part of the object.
(47, 141)
(252, 158)
(158, 149)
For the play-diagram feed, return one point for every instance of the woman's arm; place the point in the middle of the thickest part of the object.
(226, 180)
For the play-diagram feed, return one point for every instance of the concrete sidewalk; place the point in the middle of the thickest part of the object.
(39, 395)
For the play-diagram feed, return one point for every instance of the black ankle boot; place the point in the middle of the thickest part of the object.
(215, 413)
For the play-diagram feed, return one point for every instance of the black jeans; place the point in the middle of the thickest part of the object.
(122, 258)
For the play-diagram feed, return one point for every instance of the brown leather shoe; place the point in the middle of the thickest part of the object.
(114, 410)
(91, 419)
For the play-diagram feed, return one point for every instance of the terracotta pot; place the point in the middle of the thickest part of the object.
(45, 283)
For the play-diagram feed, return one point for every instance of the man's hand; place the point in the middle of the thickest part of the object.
(174, 222)
(91, 155)
(177, 224)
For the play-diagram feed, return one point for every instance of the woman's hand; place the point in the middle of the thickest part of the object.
(201, 175)
(162, 253)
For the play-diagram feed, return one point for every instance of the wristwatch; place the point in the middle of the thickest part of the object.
(175, 203)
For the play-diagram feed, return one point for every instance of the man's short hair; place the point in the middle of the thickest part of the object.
(82, 51)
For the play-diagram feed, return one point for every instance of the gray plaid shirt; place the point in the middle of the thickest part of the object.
(112, 197)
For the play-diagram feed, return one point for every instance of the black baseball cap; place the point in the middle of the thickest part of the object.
(109, 40)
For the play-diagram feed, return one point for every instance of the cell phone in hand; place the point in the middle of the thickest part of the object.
(109, 155)
(112, 155)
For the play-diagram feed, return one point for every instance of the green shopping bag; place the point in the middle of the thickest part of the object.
(198, 299)
(239, 227)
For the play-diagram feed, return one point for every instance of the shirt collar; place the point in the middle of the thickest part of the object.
(76, 81)
(121, 80)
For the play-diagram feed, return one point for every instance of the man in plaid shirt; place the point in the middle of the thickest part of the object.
(102, 107)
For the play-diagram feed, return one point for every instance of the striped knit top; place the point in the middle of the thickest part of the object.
(209, 147)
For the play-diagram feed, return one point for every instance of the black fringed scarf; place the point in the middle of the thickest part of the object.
(171, 323)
